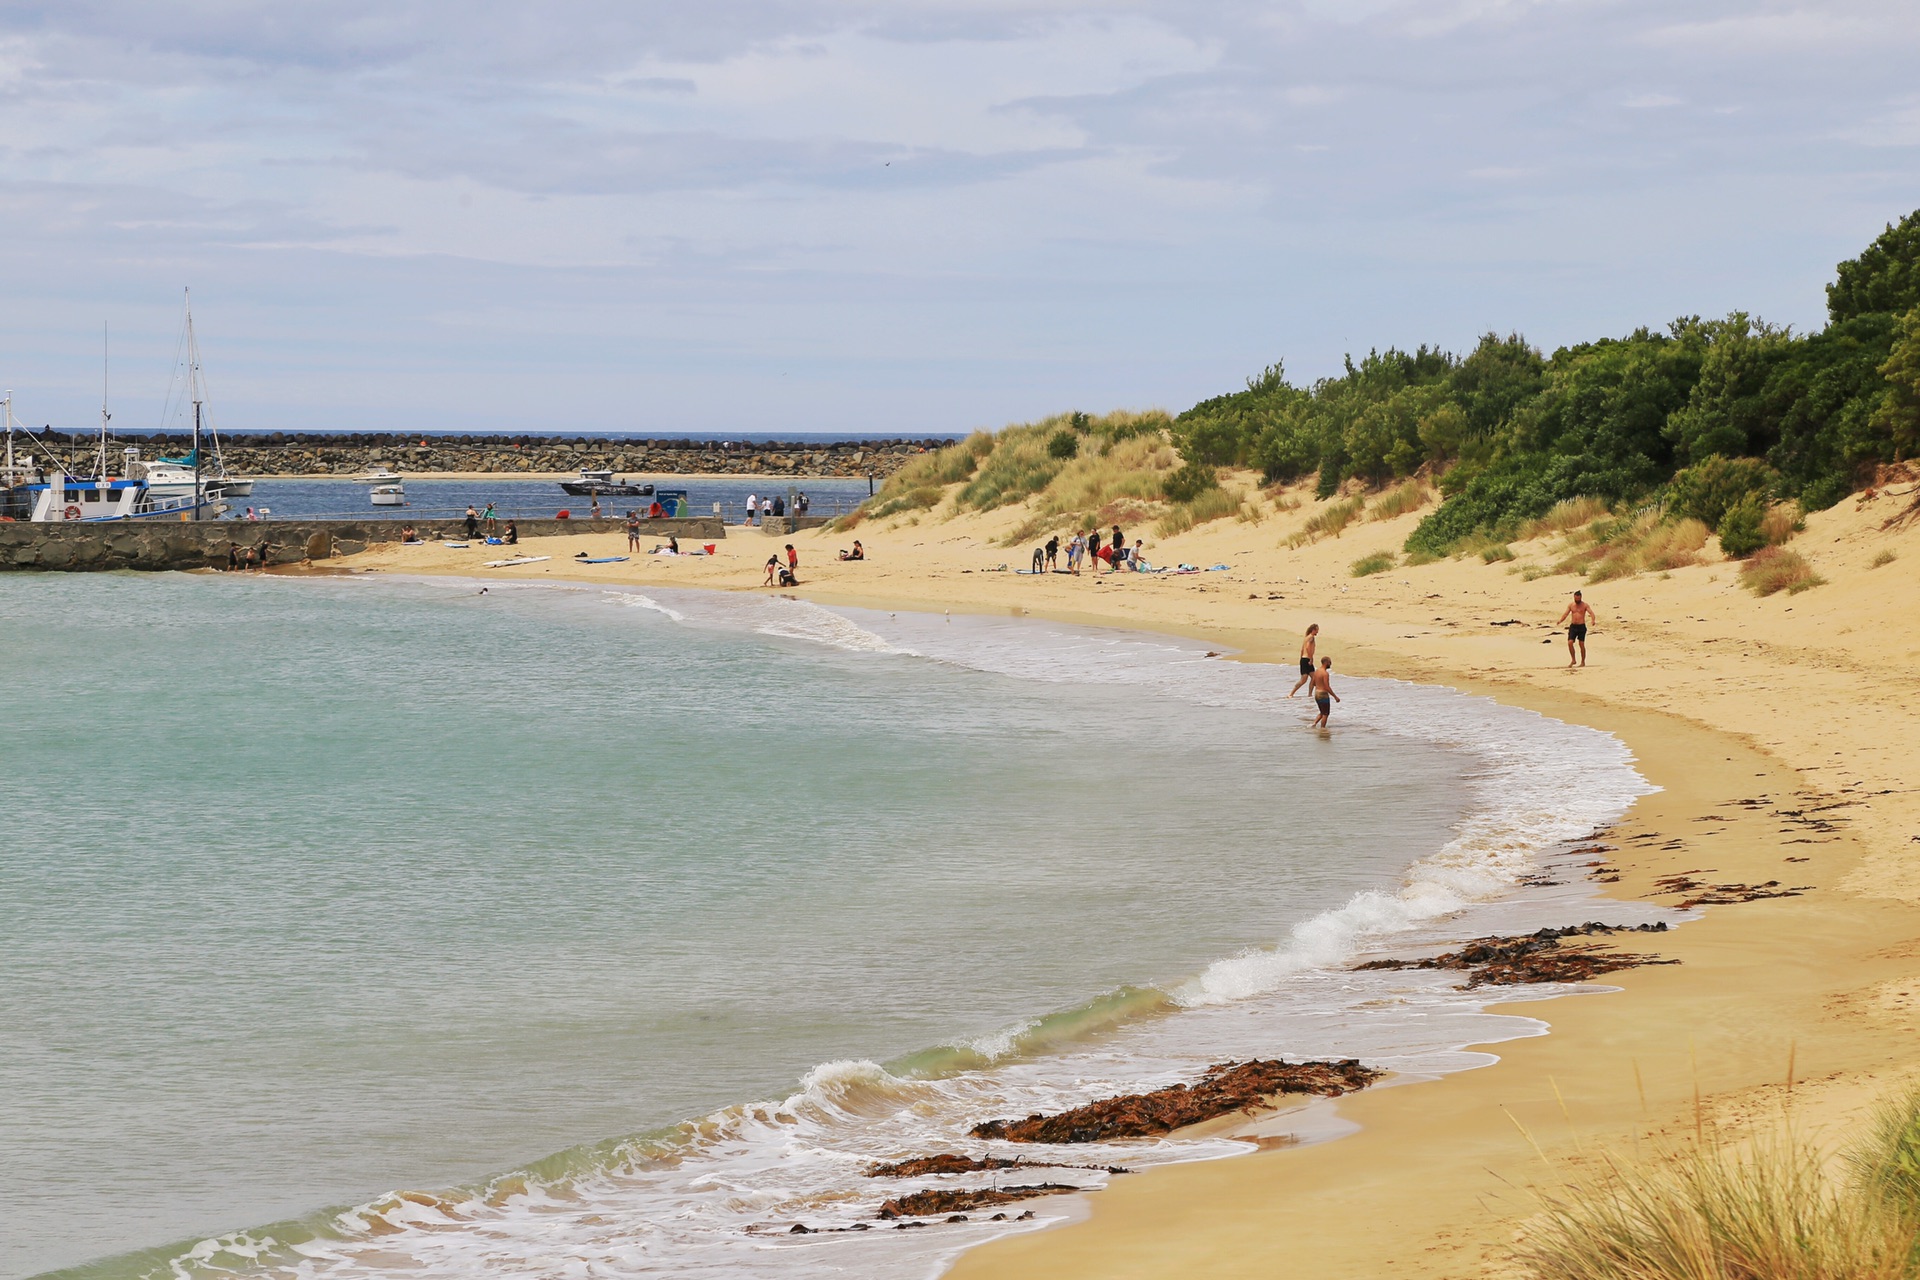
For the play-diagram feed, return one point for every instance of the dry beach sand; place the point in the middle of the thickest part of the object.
(1782, 731)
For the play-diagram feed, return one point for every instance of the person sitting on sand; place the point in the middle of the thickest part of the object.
(1322, 690)
(409, 534)
(655, 510)
(512, 536)
(1582, 613)
(858, 553)
(787, 577)
(1306, 658)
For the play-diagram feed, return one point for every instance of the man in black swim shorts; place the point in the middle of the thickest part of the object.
(1581, 614)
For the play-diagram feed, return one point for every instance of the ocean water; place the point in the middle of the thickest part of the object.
(513, 498)
(378, 926)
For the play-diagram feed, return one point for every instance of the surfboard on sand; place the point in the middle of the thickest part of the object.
(508, 564)
(598, 560)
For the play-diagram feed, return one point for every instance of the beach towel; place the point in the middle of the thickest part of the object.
(1219, 568)
(460, 546)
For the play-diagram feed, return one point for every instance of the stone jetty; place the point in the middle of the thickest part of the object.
(283, 454)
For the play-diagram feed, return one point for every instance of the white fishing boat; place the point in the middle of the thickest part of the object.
(57, 495)
(378, 475)
(389, 495)
(62, 497)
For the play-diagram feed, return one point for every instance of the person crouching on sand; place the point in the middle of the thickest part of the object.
(1322, 682)
(1582, 613)
(1306, 658)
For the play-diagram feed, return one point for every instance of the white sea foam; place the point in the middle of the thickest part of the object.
(718, 1196)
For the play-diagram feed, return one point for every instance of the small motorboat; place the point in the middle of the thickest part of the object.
(378, 475)
(389, 495)
(601, 483)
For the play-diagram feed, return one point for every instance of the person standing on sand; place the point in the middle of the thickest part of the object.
(793, 558)
(753, 507)
(1093, 551)
(1581, 613)
(1053, 552)
(473, 521)
(1322, 681)
(1306, 658)
(1076, 552)
(633, 530)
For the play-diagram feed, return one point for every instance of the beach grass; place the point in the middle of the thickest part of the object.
(1378, 562)
(1886, 557)
(1409, 495)
(1564, 517)
(1330, 520)
(1771, 1208)
(1774, 569)
(1212, 504)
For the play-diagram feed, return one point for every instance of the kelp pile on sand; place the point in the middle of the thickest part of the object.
(1535, 957)
(932, 1204)
(922, 1166)
(1226, 1088)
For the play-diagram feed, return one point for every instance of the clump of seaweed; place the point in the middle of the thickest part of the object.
(1535, 957)
(1226, 1088)
(934, 1203)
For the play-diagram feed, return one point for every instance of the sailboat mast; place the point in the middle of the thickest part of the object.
(100, 467)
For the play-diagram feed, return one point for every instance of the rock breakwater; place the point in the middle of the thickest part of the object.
(285, 454)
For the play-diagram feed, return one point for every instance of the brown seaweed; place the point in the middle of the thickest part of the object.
(1227, 1087)
(1535, 957)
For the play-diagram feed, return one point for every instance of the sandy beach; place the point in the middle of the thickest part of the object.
(1776, 729)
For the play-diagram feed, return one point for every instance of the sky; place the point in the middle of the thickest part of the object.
(920, 216)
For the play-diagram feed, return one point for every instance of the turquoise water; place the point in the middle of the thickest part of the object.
(318, 888)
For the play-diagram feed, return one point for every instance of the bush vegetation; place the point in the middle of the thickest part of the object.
(1777, 569)
(1712, 411)
(1378, 562)
(1409, 495)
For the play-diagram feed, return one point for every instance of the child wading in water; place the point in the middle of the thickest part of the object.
(1322, 682)
(1306, 658)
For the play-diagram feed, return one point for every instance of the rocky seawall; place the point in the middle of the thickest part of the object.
(178, 544)
(344, 455)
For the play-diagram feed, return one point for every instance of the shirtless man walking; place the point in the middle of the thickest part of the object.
(1580, 613)
(1306, 658)
(1322, 682)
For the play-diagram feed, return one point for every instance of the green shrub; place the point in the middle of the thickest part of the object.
(1740, 529)
(1712, 487)
(1497, 552)
(1378, 562)
(1064, 445)
(1190, 481)
(1331, 519)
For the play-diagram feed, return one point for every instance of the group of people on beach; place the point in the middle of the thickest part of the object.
(784, 575)
(1086, 548)
(759, 508)
(240, 558)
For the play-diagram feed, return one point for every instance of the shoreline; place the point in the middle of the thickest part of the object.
(1816, 976)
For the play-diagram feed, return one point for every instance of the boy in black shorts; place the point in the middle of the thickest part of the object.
(1306, 658)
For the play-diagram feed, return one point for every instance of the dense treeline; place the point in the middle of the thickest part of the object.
(1715, 415)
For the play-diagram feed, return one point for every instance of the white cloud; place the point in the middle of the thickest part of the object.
(964, 209)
